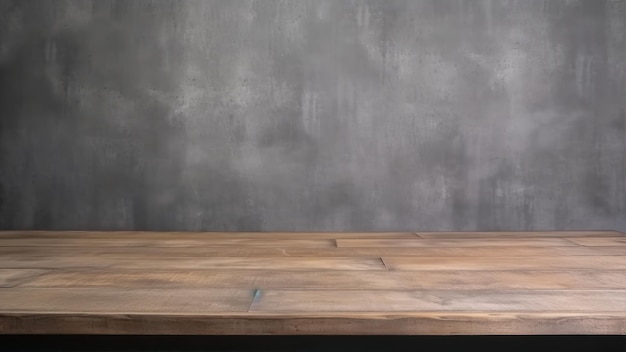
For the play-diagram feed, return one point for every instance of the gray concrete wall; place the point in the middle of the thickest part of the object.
(313, 115)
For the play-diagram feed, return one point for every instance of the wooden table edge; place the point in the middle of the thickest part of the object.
(330, 323)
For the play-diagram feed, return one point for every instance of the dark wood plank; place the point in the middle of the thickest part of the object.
(12, 277)
(280, 301)
(313, 323)
(156, 263)
(337, 279)
(478, 242)
(506, 263)
(124, 301)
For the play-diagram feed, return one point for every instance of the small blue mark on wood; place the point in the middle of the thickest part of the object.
(256, 295)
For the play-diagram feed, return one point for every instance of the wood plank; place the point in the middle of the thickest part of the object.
(172, 242)
(189, 235)
(240, 251)
(344, 280)
(506, 263)
(491, 242)
(518, 234)
(250, 263)
(290, 283)
(12, 277)
(148, 252)
(124, 301)
(601, 241)
(299, 235)
(319, 301)
(249, 323)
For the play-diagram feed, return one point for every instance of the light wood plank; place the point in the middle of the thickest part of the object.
(506, 263)
(302, 283)
(12, 277)
(344, 280)
(172, 242)
(257, 263)
(518, 234)
(124, 301)
(450, 300)
(242, 251)
(189, 235)
(492, 242)
(601, 241)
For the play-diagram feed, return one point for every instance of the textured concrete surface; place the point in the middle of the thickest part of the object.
(313, 115)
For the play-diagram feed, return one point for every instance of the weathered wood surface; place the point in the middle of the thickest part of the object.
(312, 283)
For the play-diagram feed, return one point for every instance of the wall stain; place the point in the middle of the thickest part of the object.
(310, 115)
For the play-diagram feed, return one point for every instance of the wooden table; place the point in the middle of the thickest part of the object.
(422, 283)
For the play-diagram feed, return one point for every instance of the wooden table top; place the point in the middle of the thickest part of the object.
(424, 283)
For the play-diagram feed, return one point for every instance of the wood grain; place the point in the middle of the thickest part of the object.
(337, 279)
(84, 282)
(518, 234)
(172, 242)
(312, 323)
(278, 301)
(156, 263)
(600, 241)
(506, 263)
(12, 277)
(244, 251)
(476, 242)
(124, 301)
(189, 235)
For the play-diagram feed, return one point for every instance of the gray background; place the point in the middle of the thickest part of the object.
(313, 115)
